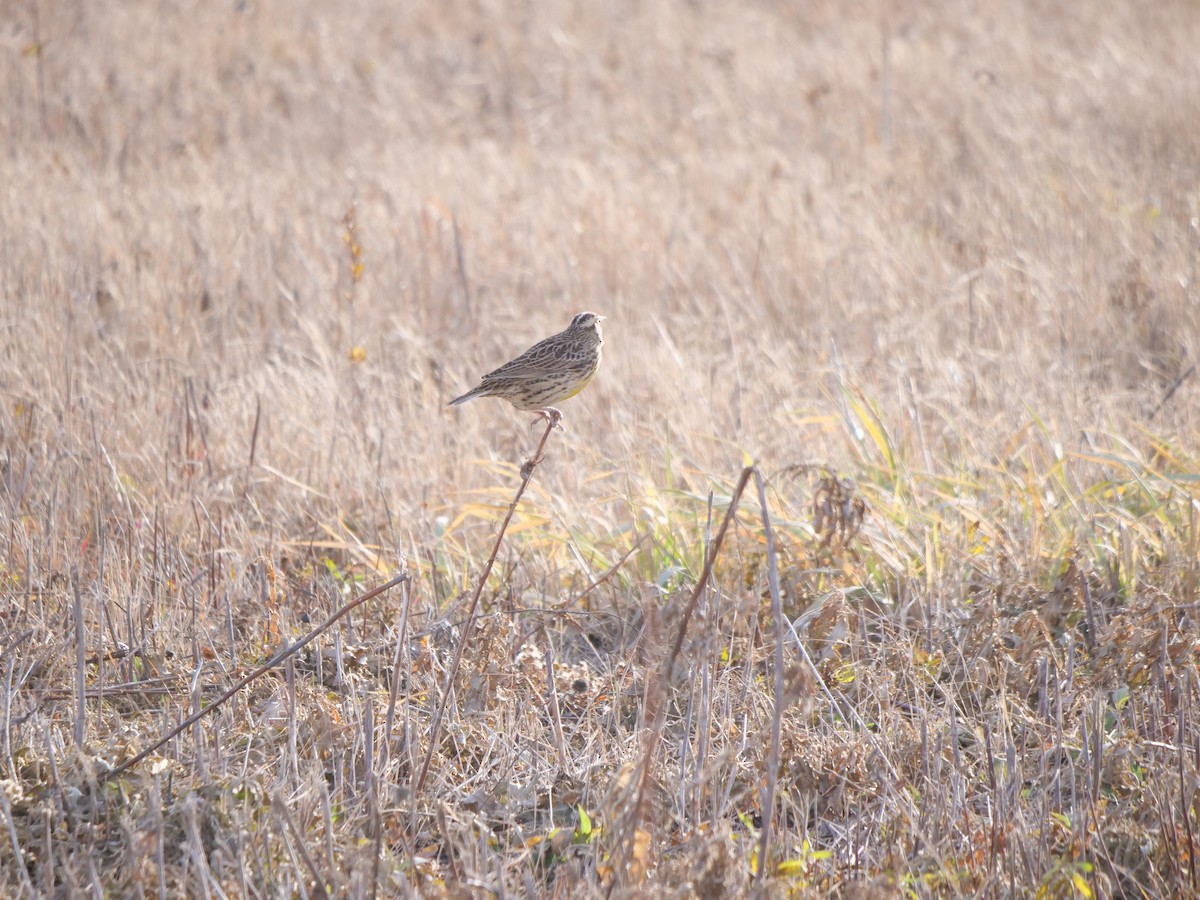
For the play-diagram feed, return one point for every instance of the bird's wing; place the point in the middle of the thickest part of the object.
(540, 359)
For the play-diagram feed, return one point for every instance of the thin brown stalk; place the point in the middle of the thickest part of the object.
(40, 49)
(319, 880)
(555, 711)
(193, 846)
(198, 728)
(706, 573)
(398, 659)
(254, 431)
(705, 714)
(18, 854)
(1170, 392)
(293, 754)
(285, 653)
(154, 810)
(1184, 804)
(386, 744)
(654, 710)
(448, 688)
(80, 663)
(461, 261)
(768, 809)
(370, 784)
(604, 576)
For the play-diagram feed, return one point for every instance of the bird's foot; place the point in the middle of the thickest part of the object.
(551, 416)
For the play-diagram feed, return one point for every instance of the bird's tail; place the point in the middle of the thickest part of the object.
(469, 395)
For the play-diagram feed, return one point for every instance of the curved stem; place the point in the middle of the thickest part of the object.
(469, 626)
(271, 663)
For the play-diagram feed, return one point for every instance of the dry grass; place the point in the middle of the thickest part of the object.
(938, 259)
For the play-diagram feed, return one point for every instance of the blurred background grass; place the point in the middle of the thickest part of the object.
(947, 250)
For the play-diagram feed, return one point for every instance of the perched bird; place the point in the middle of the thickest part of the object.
(548, 372)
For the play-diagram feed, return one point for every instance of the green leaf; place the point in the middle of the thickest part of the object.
(585, 823)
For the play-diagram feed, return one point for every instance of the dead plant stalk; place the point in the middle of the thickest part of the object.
(654, 713)
(275, 660)
(469, 624)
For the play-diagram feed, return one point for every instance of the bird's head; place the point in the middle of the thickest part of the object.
(586, 321)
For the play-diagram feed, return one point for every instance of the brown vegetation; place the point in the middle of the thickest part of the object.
(932, 267)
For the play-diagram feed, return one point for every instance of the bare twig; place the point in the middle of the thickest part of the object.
(39, 49)
(254, 432)
(655, 715)
(448, 688)
(1172, 389)
(385, 747)
(700, 752)
(21, 865)
(555, 710)
(460, 259)
(80, 663)
(275, 660)
(319, 880)
(605, 575)
(706, 572)
(1187, 817)
(768, 810)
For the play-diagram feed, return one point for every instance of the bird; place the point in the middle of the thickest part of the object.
(549, 372)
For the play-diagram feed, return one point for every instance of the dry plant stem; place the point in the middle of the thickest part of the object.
(80, 663)
(279, 803)
(1187, 818)
(605, 576)
(198, 730)
(555, 710)
(469, 625)
(275, 660)
(845, 707)
(398, 660)
(375, 828)
(41, 64)
(1173, 388)
(155, 808)
(700, 752)
(386, 744)
(460, 259)
(655, 715)
(768, 807)
(18, 855)
(706, 572)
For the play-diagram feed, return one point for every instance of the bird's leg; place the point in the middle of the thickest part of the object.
(551, 416)
(553, 419)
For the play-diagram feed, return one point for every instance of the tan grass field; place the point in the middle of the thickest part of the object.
(935, 263)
